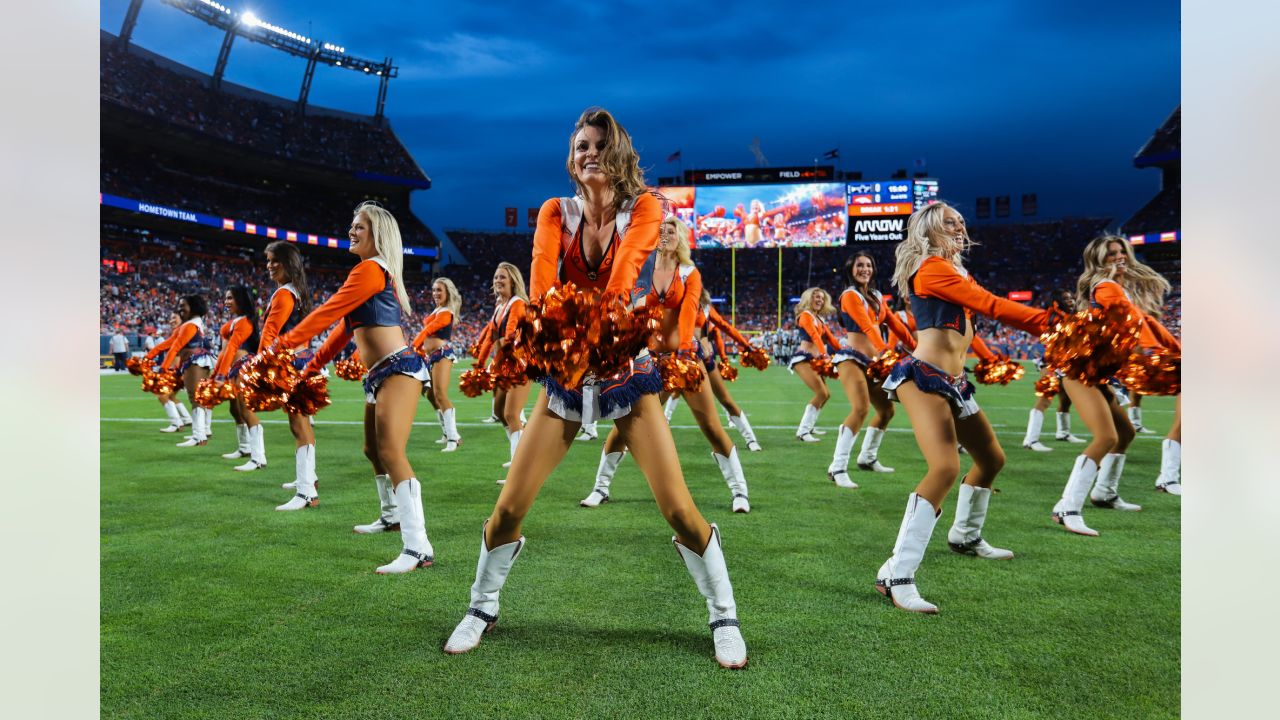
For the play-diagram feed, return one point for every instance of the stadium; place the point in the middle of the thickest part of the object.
(213, 605)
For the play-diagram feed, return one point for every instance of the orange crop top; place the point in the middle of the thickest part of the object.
(939, 280)
(1151, 334)
(558, 254)
(681, 298)
(817, 330)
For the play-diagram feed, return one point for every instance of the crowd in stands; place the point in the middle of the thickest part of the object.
(134, 81)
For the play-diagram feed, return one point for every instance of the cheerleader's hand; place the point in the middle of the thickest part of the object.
(1056, 315)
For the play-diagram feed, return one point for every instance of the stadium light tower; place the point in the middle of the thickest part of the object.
(250, 26)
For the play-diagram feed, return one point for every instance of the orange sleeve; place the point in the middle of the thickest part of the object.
(981, 350)
(185, 332)
(851, 303)
(327, 351)
(638, 243)
(435, 322)
(485, 343)
(160, 346)
(239, 333)
(1110, 294)
(282, 304)
(420, 339)
(513, 320)
(1162, 334)
(899, 331)
(810, 327)
(365, 281)
(716, 319)
(832, 340)
(688, 307)
(546, 249)
(717, 338)
(939, 278)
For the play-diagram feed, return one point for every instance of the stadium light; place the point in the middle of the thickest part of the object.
(248, 18)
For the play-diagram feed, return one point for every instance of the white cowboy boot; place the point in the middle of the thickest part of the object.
(1170, 467)
(838, 470)
(731, 470)
(449, 421)
(804, 432)
(965, 536)
(869, 456)
(1067, 510)
(413, 531)
(743, 426)
(1034, 424)
(242, 443)
(491, 574)
(389, 516)
(306, 495)
(712, 578)
(896, 579)
(604, 477)
(1106, 489)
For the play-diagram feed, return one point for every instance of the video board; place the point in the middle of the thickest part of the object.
(879, 209)
(770, 216)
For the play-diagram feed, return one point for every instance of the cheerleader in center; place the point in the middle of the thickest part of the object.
(816, 340)
(190, 348)
(239, 341)
(863, 312)
(930, 384)
(675, 285)
(434, 344)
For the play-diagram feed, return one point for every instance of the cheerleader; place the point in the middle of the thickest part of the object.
(718, 325)
(930, 383)
(508, 290)
(369, 306)
(600, 239)
(814, 305)
(434, 344)
(1066, 301)
(239, 341)
(675, 285)
(863, 312)
(290, 302)
(1112, 277)
(190, 348)
(173, 407)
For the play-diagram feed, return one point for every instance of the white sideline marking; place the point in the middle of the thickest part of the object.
(159, 421)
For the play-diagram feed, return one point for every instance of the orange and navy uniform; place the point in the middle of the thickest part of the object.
(163, 344)
(558, 256)
(718, 322)
(237, 333)
(439, 325)
(1151, 334)
(502, 326)
(283, 314)
(189, 337)
(857, 316)
(943, 298)
(366, 299)
(817, 331)
(680, 306)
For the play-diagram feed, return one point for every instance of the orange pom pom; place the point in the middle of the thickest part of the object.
(1158, 373)
(1048, 385)
(211, 393)
(160, 382)
(754, 357)
(883, 363)
(1000, 371)
(570, 332)
(728, 372)
(475, 382)
(350, 369)
(308, 396)
(822, 365)
(1091, 345)
(509, 367)
(134, 365)
(680, 371)
(266, 379)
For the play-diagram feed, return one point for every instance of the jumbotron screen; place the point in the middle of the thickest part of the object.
(769, 216)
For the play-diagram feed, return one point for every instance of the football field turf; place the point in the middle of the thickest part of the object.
(213, 605)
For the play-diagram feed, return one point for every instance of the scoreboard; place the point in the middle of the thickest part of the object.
(879, 209)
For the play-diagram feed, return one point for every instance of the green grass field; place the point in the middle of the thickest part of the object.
(213, 605)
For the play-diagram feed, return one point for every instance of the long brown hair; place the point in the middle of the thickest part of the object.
(1145, 286)
(618, 160)
(289, 255)
(867, 291)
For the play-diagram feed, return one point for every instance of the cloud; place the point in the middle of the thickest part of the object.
(467, 55)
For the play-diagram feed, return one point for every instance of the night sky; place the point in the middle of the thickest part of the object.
(999, 97)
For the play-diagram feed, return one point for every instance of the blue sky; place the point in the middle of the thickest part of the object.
(1001, 97)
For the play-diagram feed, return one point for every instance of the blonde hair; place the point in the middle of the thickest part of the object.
(618, 159)
(925, 225)
(517, 280)
(680, 235)
(386, 239)
(1145, 286)
(806, 300)
(454, 303)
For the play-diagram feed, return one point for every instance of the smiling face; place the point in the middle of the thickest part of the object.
(954, 234)
(361, 237)
(184, 310)
(818, 301)
(502, 283)
(1116, 258)
(275, 268)
(230, 301)
(588, 146)
(439, 294)
(863, 270)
